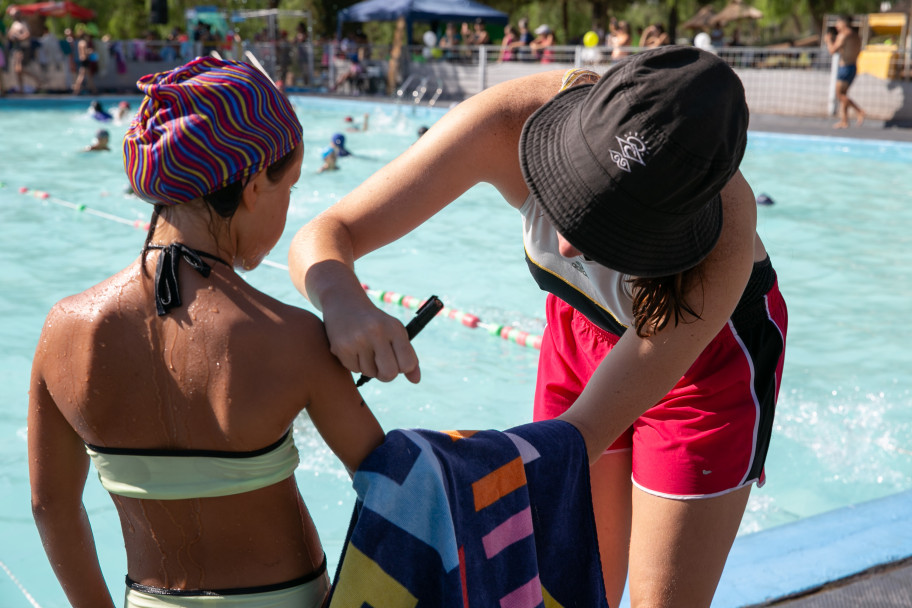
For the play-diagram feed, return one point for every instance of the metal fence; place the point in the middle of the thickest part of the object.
(792, 81)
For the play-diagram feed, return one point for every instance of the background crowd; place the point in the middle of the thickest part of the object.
(38, 54)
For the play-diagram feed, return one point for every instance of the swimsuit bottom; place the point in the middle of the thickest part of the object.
(846, 73)
(306, 592)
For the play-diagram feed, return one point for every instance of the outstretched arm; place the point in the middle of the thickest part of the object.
(58, 465)
(638, 372)
(475, 142)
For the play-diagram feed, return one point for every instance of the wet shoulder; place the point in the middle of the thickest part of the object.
(284, 327)
(100, 303)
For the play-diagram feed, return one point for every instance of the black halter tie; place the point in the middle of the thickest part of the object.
(167, 289)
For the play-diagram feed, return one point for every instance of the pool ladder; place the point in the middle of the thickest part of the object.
(421, 89)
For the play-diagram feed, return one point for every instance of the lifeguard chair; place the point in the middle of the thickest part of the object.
(884, 39)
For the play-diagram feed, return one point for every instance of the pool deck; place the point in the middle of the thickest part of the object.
(860, 555)
(823, 127)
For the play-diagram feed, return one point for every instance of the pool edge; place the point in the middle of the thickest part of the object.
(802, 556)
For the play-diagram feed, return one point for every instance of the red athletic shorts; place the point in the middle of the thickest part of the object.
(710, 434)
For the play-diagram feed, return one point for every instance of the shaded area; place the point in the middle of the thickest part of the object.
(886, 586)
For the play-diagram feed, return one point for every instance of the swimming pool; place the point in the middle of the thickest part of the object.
(838, 234)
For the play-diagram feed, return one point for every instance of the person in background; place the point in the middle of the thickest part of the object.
(717, 36)
(302, 50)
(665, 333)
(23, 46)
(353, 72)
(422, 130)
(541, 46)
(337, 141)
(466, 37)
(98, 112)
(100, 143)
(480, 35)
(654, 35)
(209, 39)
(620, 38)
(284, 59)
(333, 152)
(524, 38)
(68, 49)
(511, 35)
(87, 60)
(847, 43)
(122, 111)
(450, 42)
(351, 126)
(330, 158)
(180, 381)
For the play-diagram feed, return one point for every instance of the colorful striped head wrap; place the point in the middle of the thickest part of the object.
(205, 125)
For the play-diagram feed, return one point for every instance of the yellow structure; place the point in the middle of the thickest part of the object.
(884, 39)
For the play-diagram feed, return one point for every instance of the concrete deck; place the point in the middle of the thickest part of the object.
(823, 127)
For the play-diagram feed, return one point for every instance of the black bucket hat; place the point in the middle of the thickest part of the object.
(629, 169)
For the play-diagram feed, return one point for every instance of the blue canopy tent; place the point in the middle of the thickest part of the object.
(419, 10)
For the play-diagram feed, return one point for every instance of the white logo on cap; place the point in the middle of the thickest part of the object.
(632, 149)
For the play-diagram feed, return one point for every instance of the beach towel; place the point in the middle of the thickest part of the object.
(471, 519)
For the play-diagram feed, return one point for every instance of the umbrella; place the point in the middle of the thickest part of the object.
(700, 21)
(52, 9)
(735, 11)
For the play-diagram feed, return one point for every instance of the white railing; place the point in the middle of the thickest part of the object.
(793, 81)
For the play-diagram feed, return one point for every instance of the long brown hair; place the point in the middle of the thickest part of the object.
(657, 301)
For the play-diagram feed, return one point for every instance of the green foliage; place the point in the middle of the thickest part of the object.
(130, 18)
(127, 20)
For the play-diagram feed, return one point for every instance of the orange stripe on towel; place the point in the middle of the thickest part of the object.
(498, 483)
(457, 435)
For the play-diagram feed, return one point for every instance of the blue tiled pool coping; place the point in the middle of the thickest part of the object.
(805, 555)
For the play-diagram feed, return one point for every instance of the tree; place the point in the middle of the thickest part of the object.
(128, 19)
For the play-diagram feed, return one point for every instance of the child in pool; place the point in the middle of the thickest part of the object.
(100, 143)
(97, 111)
(332, 152)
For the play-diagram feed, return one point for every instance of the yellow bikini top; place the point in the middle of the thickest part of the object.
(181, 474)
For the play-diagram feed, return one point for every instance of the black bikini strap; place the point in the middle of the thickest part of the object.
(167, 289)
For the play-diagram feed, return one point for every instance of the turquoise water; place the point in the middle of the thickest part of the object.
(838, 234)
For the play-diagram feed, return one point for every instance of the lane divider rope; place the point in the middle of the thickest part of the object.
(505, 332)
(21, 587)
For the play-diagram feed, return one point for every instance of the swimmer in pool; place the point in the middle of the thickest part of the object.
(122, 111)
(97, 111)
(332, 152)
(100, 143)
(351, 126)
(181, 381)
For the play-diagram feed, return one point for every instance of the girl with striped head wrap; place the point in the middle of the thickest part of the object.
(172, 384)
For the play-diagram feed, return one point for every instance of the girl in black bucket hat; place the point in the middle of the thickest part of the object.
(666, 328)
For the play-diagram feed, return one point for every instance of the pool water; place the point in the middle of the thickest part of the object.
(838, 234)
